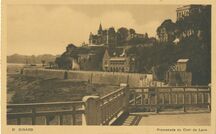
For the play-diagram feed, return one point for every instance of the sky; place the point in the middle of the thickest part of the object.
(48, 29)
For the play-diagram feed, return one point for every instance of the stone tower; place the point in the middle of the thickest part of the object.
(100, 30)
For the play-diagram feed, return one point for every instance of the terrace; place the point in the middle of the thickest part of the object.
(125, 106)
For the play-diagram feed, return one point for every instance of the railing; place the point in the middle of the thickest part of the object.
(95, 110)
(112, 104)
(104, 110)
(160, 98)
(46, 110)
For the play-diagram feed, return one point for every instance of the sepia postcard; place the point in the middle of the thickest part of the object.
(108, 67)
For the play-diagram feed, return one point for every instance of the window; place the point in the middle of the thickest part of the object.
(105, 62)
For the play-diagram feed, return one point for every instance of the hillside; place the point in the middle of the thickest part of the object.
(17, 58)
(23, 89)
(160, 57)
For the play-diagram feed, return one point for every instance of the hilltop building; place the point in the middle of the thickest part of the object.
(188, 19)
(105, 37)
(178, 74)
(110, 37)
(133, 35)
(188, 10)
(116, 62)
(187, 24)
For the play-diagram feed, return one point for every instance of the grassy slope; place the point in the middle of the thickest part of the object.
(29, 90)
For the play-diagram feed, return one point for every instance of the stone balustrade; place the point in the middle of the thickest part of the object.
(96, 110)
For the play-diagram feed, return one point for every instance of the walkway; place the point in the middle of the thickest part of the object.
(164, 119)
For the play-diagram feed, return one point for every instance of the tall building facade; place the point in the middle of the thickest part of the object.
(189, 18)
(188, 10)
(113, 62)
(111, 37)
(186, 25)
(103, 37)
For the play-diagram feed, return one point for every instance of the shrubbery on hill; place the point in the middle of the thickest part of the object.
(159, 58)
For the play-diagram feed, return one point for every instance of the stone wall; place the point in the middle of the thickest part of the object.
(109, 78)
(96, 77)
(43, 73)
(80, 76)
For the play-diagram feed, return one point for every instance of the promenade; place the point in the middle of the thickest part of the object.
(146, 119)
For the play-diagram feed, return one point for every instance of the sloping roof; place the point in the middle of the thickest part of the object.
(183, 60)
(117, 59)
(94, 45)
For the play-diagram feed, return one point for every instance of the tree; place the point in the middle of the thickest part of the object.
(70, 47)
(43, 62)
(146, 36)
(111, 30)
(122, 35)
(132, 31)
(169, 28)
(51, 64)
(64, 62)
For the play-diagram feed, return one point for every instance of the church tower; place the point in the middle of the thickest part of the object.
(100, 30)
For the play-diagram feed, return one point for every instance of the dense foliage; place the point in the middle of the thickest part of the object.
(159, 58)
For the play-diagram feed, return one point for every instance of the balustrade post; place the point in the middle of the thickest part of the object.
(92, 110)
(60, 119)
(74, 115)
(197, 90)
(126, 97)
(33, 116)
(184, 102)
(202, 98)
(156, 101)
(209, 99)
(47, 120)
(18, 121)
